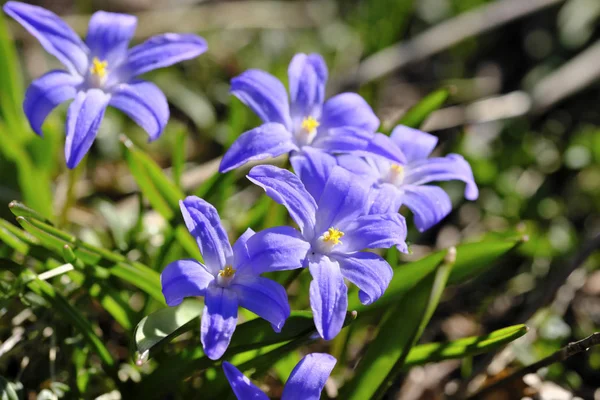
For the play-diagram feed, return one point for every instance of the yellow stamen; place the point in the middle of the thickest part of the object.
(227, 272)
(99, 67)
(309, 124)
(333, 235)
(398, 169)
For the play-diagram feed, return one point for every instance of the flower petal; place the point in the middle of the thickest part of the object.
(286, 188)
(275, 249)
(359, 142)
(429, 204)
(47, 92)
(264, 297)
(328, 296)
(313, 167)
(415, 144)
(219, 320)
(184, 278)
(348, 109)
(109, 35)
(359, 166)
(240, 250)
(268, 140)
(145, 103)
(451, 167)
(344, 198)
(384, 199)
(162, 51)
(307, 78)
(374, 232)
(55, 36)
(242, 387)
(370, 272)
(83, 120)
(264, 94)
(307, 380)
(203, 222)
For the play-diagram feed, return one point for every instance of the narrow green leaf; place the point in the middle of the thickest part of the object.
(11, 80)
(154, 176)
(179, 155)
(7, 237)
(248, 336)
(417, 114)
(471, 260)
(134, 273)
(400, 329)
(470, 346)
(165, 324)
(71, 314)
(21, 210)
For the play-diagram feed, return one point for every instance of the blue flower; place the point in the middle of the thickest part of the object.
(101, 72)
(226, 280)
(306, 381)
(343, 124)
(333, 231)
(396, 184)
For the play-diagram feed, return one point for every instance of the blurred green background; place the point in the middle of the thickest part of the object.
(524, 109)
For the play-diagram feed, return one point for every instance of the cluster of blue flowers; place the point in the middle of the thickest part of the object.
(348, 185)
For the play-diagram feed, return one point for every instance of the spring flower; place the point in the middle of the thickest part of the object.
(100, 72)
(306, 381)
(333, 231)
(399, 184)
(225, 280)
(343, 124)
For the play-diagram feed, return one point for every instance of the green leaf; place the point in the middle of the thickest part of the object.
(164, 325)
(134, 273)
(21, 210)
(417, 114)
(470, 346)
(471, 260)
(162, 193)
(401, 327)
(248, 336)
(71, 314)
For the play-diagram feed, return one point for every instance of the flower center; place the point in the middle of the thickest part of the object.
(333, 235)
(328, 240)
(99, 67)
(307, 131)
(225, 276)
(395, 175)
(310, 125)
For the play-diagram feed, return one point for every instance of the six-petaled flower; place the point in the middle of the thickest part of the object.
(334, 229)
(306, 381)
(101, 72)
(226, 280)
(343, 124)
(397, 184)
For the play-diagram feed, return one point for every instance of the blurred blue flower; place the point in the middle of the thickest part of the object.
(343, 124)
(396, 184)
(333, 232)
(101, 72)
(226, 280)
(306, 381)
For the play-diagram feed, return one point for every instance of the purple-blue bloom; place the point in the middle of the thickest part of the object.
(343, 124)
(226, 280)
(333, 231)
(396, 184)
(306, 381)
(100, 72)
